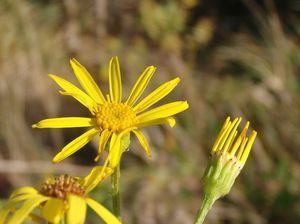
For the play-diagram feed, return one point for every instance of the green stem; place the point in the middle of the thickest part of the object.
(205, 207)
(115, 183)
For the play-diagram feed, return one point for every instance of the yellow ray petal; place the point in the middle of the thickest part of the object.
(170, 120)
(75, 145)
(74, 91)
(231, 136)
(54, 210)
(115, 83)
(248, 147)
(22, 191)
(104, 137)
(106, 215)
(26, 208)
(11, 204)
(221, 134)
(117, 146)
(239, 139)
(65, 122)
(156, 95)
(163, 111)
(241, 148)
(91, 105)
(20, 198)
(96, 175)
(142, 139)
(87, 82)
(115, 151)
(140, 85)
(227, 132)
(77, 209)
(4, 212)
(105, 164)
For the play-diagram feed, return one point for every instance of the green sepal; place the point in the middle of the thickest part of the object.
(219, 176)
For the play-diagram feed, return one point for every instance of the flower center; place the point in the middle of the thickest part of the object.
(115, 117)
(61, 186)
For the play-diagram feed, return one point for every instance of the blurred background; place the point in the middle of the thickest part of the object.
(235, 57)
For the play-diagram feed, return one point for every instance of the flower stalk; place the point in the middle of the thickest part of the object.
(205, 207)
(116, 197)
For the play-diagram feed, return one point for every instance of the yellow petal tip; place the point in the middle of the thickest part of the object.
(51, 75)
(34, 126)
(172, 123)
(186, 104)
(97, 158)
(253, 135)
(176, 81)
(73, 60)
(63, 92)
(114, 59)
(55, 160)
(152, 67)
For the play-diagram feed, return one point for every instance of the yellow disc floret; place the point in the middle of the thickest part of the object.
(115, 117)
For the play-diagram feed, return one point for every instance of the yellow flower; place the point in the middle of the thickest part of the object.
(228, 157)
(59, 197)
(111, 118)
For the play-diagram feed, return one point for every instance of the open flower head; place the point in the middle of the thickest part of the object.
(63, 196)
(110, 117)
(228, 156)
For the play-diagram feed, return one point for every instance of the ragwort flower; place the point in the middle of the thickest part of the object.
(228, 157)
(112, 118)
(61, 197)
